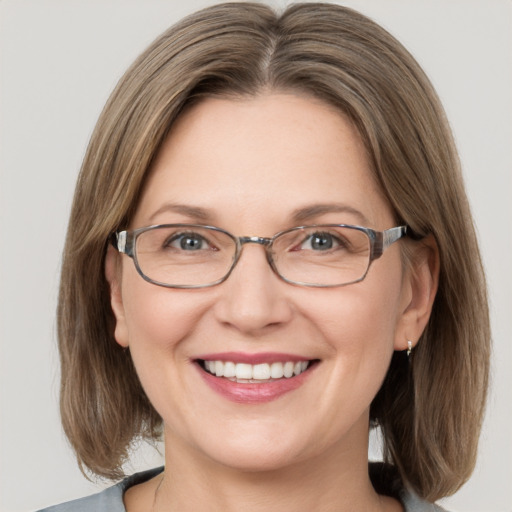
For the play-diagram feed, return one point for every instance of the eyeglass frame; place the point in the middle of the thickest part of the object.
(124, 241)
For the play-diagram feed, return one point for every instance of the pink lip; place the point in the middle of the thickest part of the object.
(263, 357)
(253, 393)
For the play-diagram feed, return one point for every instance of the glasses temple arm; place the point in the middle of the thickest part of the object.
(122, 242)
(383, 239)
(390, 236)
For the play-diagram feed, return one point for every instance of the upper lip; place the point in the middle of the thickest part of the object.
(259, 358)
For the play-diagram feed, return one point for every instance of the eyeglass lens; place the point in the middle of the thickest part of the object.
(199, 256)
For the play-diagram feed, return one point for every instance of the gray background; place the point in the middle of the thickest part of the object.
(59, 59)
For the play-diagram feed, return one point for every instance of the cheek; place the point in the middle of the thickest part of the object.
(158, 316)
(158, 320)
(358, 323)
(355, 319)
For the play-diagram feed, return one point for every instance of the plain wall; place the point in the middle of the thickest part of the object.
(59, 59)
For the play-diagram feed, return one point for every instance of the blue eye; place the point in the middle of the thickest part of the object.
(188, 242)
(320, 242)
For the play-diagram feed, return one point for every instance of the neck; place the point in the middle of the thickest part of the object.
(337, 480)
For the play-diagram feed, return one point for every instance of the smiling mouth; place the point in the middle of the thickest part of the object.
(244, 373)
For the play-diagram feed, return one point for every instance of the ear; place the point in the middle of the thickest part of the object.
(113, 275)
(419, 290)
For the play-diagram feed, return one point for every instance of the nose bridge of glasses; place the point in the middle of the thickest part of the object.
(259, 240)
(254, 240)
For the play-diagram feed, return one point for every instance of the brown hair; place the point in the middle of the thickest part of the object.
(430, 414)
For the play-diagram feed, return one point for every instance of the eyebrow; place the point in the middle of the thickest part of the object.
(299, 216)
(307, 213)
(194, 212)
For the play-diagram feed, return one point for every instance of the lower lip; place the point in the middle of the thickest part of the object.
(253, 393)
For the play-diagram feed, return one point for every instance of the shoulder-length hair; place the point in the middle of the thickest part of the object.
(431, 412)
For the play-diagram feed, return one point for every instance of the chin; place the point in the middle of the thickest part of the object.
(262, 446)
(258, 459)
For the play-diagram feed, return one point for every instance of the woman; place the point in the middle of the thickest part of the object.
(267, 253)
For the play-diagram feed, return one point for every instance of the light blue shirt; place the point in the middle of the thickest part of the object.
(111, 499)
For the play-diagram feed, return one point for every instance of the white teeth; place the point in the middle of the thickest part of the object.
(243, 371)
(263, 371)
(277, 370)
(229, 369)
(288, 369)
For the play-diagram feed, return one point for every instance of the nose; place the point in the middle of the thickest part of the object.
(253, 298)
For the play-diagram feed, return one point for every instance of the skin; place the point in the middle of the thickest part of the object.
(251, 163)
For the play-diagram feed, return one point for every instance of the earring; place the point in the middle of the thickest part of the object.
(409, 348)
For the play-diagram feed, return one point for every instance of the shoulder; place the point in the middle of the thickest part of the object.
(109, 500)
(386, 480)
(412, 503)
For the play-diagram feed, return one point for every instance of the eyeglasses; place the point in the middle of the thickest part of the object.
(197, 256)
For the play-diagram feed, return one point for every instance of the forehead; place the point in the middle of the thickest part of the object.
(264, 157)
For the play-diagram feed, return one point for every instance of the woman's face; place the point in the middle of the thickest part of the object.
(255, 167)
